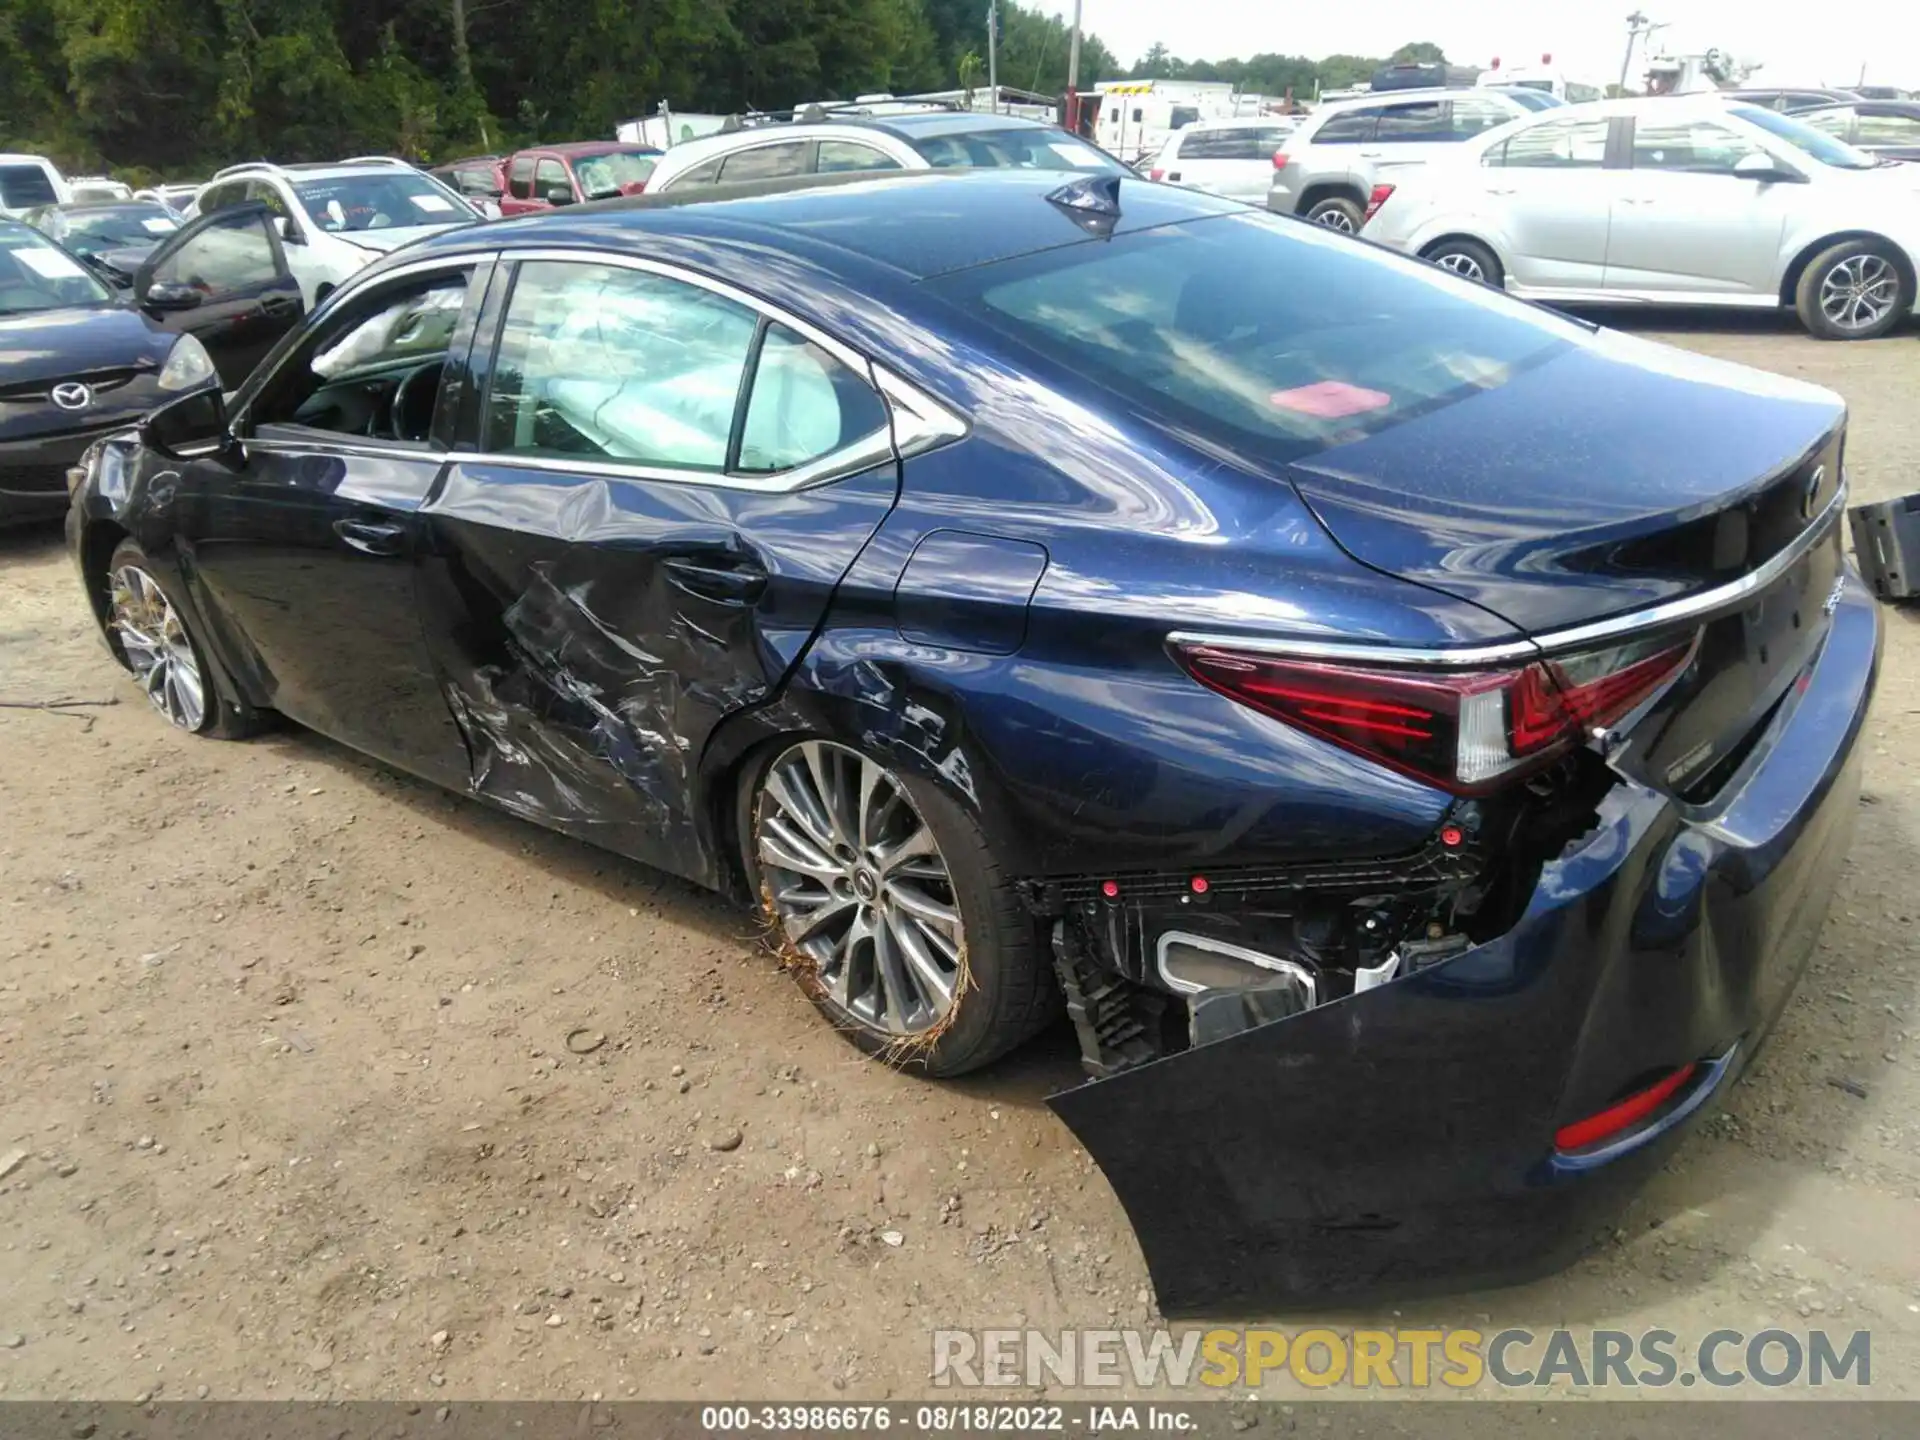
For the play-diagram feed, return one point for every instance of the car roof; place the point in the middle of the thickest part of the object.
(596, 147)
(1237, 122)
(903, 225)
(97, 207)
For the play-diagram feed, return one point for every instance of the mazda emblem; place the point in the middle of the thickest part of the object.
(1811, 494)
(72, 396)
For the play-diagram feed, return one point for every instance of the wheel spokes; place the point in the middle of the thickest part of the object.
(857, 882)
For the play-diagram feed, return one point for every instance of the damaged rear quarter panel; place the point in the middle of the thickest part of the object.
(586, 658)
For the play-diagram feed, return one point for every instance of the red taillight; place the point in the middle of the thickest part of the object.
(1376, 200)
(1615, 1118)
(1156, 173)
(1463, 730)
(1279, 159)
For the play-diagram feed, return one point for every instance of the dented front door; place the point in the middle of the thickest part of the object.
(667, 489)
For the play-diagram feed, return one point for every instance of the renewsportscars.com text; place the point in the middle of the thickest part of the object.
(1401, 1359)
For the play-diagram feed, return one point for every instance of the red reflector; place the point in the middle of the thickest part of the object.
(1615, 1118)
(1379, 197)
(1199, 883)
(1156, 173)
(1451, 835)
(1279, 159)
(1110, 889)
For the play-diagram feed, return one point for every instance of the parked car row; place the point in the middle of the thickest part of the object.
(1680, 201)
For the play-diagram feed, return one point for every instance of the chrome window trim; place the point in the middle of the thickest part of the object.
(1671, 612)
(862, 455)
(343, 445)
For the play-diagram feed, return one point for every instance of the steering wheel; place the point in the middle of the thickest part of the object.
(410, 416)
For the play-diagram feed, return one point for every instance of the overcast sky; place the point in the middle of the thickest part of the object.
(1586, 38)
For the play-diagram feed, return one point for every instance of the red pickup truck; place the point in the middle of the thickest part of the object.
(549, 175)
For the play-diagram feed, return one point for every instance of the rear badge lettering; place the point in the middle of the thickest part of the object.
(1689, 762)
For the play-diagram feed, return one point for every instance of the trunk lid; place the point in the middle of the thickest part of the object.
(1617, 478)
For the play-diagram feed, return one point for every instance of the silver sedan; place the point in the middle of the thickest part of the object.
(1674, 201)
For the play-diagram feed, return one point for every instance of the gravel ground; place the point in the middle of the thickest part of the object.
(328, 1084)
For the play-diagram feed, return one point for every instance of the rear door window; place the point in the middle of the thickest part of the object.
(1409, 124)
(1355, 127)
(1889, 129)
(839, 155)
(765, 162)
(1558, 144)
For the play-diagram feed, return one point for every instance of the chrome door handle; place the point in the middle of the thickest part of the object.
(372, 537)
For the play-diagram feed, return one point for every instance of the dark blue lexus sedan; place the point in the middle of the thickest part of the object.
(1413, 735)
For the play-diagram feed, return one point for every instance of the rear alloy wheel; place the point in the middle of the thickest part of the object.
(1337, 212)
(1855, 290)
(890, 910)
(1470, 260)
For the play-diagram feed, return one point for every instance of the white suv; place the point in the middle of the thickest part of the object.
(923, 140)
(1233, 158)
(1328, 168)
(336, 218)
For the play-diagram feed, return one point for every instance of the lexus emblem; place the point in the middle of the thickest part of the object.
(72, 396)
(1811, 494)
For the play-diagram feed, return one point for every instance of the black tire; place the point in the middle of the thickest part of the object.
(1809, 294)
(222, 718)
(1010, 994)
(1470, 260)
(1338, 212)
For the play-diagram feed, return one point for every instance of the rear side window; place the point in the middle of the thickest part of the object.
(1256, 331)
(1560, 144)
(766, 162)
(1471, 114)
(1352, 128)
(1887, 129)
(803, 404)
(1408, 124)
(705, 173)
(24, 185)
(838, 155)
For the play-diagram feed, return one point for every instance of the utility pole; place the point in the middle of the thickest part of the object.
(1638, 28)
(1073, 53)
(993, 53)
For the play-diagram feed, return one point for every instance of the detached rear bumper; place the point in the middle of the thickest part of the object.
(1404, 1139)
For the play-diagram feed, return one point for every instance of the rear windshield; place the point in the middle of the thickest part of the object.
(1042, 148)
(24, 185)
(1261, 332)
(607, 174)
(383, 200)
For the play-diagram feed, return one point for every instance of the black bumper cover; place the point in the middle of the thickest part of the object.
(1402, 1140)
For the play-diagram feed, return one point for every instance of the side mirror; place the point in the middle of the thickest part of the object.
(290, 233)
(194, 422)
(163, 295)
(1765, 169)
(560, 195)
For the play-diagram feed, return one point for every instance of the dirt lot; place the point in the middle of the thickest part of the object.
(286, 1041)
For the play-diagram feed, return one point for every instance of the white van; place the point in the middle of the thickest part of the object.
(30, 180)
(1233, 158)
